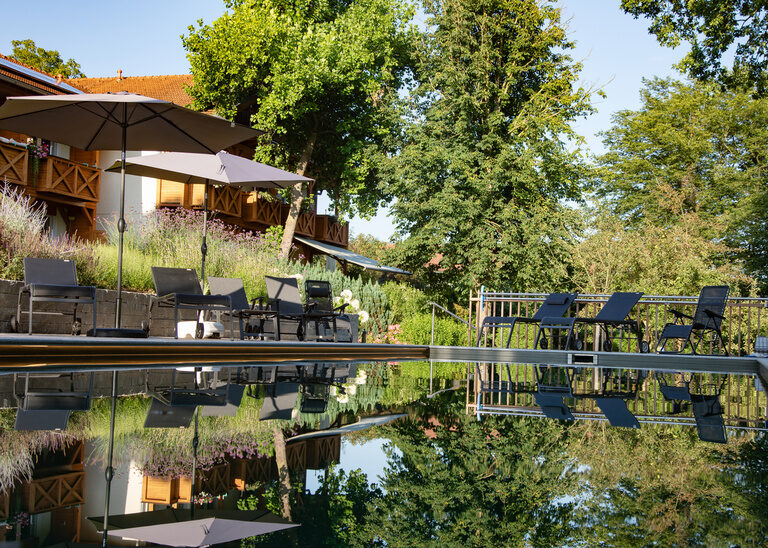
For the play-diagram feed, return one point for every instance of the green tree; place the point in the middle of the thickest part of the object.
(457, 481)
(485, 163)
(321, 78)
(45, 60)
(715, 29)
(691, 155)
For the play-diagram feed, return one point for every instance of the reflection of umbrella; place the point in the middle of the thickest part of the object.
(176, 527)
(222, 168)
(120, 121)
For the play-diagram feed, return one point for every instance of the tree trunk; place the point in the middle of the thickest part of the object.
(297, 198)
(284, 489)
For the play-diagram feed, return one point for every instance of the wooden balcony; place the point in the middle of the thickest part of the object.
(53, 492)
(14, 164)
(67, 178)
(305, 226)
(296, 455)
(246, 472)
(328, 229)
(322, 451)
(262, 211)
(227, 200)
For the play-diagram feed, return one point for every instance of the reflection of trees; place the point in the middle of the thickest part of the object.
(662, 486)
(457, 482)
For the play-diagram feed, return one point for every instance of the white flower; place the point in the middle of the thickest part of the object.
(342, 398)
(346, 295)
(364, 317)
(355, 304)
(362, 374)
(360, 380)
(351, 389)
(297, 276)
(336, 301)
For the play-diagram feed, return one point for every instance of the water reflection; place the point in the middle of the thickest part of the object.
(450, 475)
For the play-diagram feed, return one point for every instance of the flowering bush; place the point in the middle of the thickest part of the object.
(353, 305)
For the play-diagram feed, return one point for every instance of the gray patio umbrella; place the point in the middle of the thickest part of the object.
(178, 527)
(120, 121)
(221, 168)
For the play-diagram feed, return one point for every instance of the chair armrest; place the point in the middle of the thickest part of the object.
(341, 308)
(309, 307)
(265, 303)
(713, 314)
(679, 315)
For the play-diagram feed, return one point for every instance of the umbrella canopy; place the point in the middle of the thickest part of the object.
(96, 122)
(221, 168)
(176, 527)
(120, 121)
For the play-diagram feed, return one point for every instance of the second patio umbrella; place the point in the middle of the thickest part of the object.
(120, 121)
(221, 168)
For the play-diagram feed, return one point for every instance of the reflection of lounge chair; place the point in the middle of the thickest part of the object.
(554, 306)
(707, 318)
(615, 313)
(180, 288)
(553, 385)
(53, 281)
(49, 409)
(616, 388)
(279, 401)
(242, 309)
(615, 410)
(709, 417)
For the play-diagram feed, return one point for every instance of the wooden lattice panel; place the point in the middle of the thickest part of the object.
(259, 210)
(322, 451)
(246, 472)
(331, 231)
(216, 481)
(69, 179)
(46, 494)
(227, 200)
(14, 163)
(296, 453)
(306, 224)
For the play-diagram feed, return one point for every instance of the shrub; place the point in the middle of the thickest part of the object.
(417, 329)
(404, 301)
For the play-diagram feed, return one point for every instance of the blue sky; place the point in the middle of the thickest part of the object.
(142, 37)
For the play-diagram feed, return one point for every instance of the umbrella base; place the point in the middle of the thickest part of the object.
(118, 332)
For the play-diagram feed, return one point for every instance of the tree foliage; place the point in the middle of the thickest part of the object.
(484, 161)
(715, 29)
(693, 160)
(321, 78)
(45, 60)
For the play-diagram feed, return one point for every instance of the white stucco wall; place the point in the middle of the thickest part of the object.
(140, 192)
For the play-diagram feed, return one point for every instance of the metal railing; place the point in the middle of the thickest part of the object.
(470, 328)
(745, 319)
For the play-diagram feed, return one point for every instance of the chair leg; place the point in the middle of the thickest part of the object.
(175, 321)
(94, 312)
(31, 300)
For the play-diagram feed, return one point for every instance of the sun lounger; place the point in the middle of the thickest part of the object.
(554, 306)
(615, 410)
(615, 313)
(180, 288)
(708, 414)
(49, 409)
(320, 310)
(554, 384)
(249, 312)
(707, 319)
(53, 281)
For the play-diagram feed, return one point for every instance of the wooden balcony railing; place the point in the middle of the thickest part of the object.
(227, 200)
(296, 455)
(14, 164)
(328, 229)
(323, 451)
(247, 472)
(306, 224)
(259, 210)
(60, 176)
(52, 492)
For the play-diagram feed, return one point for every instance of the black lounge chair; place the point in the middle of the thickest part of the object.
(180, 288)
(614, 393)
(53, 281)
(49, 409)
(554, 306)
(319, 307)
(550, 392)
(708, 414)
(254, 313)
(615, 410)
(615, 313)
(285, 300)
(161, 415)
(707, 318)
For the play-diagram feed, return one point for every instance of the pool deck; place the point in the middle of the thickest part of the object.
(20, 352)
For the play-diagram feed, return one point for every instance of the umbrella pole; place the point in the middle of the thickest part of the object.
(121, 223)
(195, 441)
(110, 472)
(204, 246)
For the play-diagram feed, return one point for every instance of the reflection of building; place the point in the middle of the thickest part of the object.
(314, 453)
(52, 498)
(76, 191)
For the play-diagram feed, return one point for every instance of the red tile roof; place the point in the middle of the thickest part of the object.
(168, 88)
(45, 82)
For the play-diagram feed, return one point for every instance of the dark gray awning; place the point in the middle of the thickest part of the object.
(344, 255)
